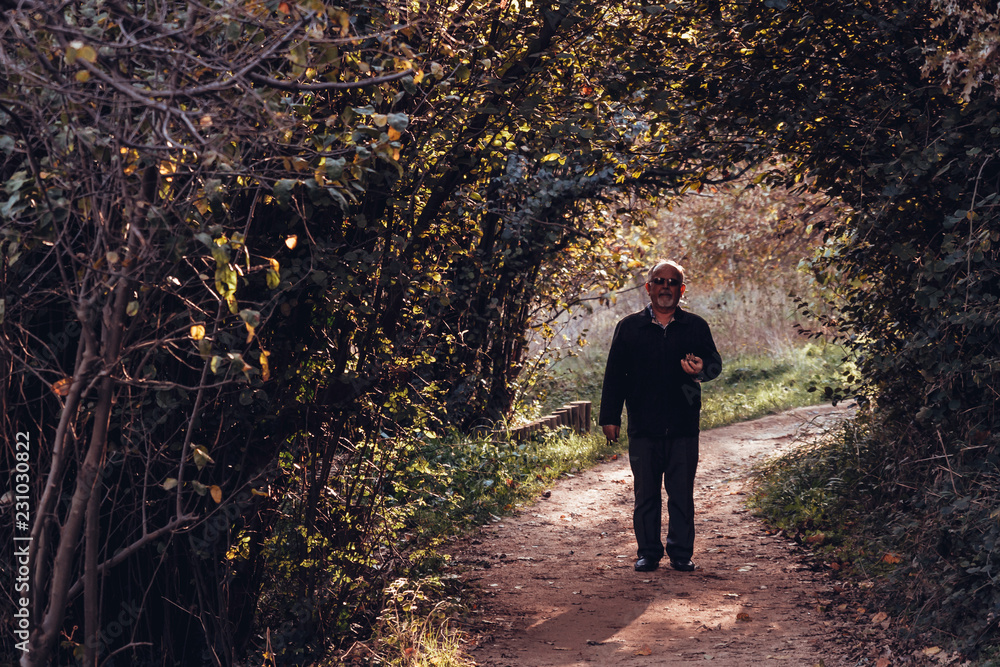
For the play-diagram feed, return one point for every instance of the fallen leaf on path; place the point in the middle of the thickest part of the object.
(743, 617)
(879, 617)
(882, 662)
(931, 650)
(645, 650)
(891, 559)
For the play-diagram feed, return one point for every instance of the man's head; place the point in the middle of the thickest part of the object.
(665, 285)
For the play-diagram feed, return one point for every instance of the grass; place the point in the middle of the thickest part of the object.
(754, 386)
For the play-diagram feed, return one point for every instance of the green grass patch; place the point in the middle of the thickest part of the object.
(752, 386)
(479, 480)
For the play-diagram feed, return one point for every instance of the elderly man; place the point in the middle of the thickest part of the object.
(658, 358)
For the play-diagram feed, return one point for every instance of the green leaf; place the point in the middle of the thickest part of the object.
(273, 279)
(283, 190)
(335, 168)
(200, 456)
(251, 317)
(225, 281)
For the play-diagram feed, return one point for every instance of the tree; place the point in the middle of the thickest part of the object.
(250, 250)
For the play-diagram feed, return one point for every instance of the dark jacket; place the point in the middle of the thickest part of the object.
(644, 373)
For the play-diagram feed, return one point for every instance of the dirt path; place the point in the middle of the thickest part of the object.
(558, 586)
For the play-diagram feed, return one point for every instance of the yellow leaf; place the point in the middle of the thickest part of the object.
(931, 650)
(550, 157)
(82, 76)
(87, 53)
(394, 134)
(265, 370)
(645, 650)
(61, 387)
(292, 241)
(216, 493)
(197, 331)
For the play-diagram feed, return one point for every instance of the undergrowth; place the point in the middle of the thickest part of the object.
(908, 514)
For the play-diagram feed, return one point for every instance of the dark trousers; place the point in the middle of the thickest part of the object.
(670, 461)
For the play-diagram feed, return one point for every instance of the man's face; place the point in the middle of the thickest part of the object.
(665, 296)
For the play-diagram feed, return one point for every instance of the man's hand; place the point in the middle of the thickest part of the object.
(692, 365)
(611, 432)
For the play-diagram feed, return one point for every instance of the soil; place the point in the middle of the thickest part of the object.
(557, 585)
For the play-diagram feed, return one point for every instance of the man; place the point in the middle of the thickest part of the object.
(658, 358)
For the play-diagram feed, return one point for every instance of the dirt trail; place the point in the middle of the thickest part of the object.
(558, 586)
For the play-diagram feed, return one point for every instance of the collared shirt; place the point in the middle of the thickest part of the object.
(645, 376)
(652, 316)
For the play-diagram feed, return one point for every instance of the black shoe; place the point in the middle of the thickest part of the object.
(682, 565)
(647, 564)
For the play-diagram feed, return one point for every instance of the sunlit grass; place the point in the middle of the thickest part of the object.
(418, 628)
(754, 386)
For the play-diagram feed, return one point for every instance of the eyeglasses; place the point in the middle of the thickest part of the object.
(671, 282)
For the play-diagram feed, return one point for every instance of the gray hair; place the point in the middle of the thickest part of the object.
(665, 262)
